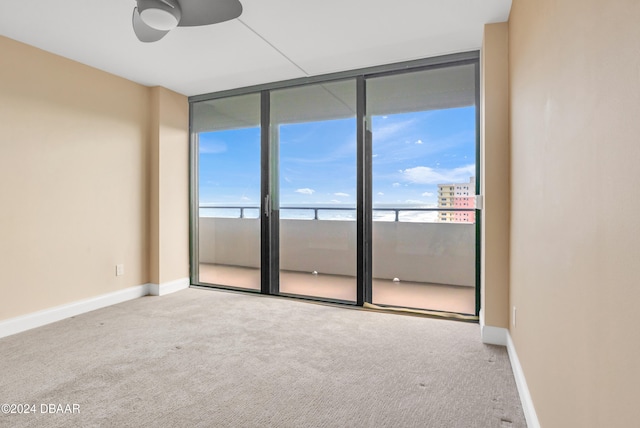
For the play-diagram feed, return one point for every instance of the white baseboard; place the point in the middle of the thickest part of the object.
(48, 316)
(501, 336)
(525, 397)
(492, 335)
(169, 287)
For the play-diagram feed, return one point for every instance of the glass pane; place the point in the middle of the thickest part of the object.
(315, 129)
(423, 126)
(227, 133)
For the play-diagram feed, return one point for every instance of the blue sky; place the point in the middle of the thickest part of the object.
(412, 153)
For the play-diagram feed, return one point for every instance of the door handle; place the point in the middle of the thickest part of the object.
(267, 205)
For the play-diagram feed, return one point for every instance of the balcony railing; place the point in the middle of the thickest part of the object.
(440, 251)
(242, 210)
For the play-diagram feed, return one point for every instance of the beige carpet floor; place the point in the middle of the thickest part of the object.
(203, 358)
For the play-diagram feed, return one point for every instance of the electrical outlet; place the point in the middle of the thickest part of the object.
(119, 270)
(513, 318)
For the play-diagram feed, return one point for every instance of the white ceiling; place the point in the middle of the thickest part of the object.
(272, 40)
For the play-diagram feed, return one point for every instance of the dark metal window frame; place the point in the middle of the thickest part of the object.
(270, 217)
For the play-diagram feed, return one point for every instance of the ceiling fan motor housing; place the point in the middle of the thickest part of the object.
(162, 15)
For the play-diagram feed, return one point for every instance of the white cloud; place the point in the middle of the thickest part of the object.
(412, 201)
(374, 156)
(427, 194)
(390, 130)
(212, 148)
(396, 184)
(335, 201)
(306, 191)
(244, 198)
(419, 142)
(380, 194)
(427, 175)
(341, 194)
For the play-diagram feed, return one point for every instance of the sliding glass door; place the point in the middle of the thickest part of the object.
(423, 127)
(356, 188)
(227, 145)
(314, 129)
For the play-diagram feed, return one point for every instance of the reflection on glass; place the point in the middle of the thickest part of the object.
(228, 138)
(423, 127)
(315, 130)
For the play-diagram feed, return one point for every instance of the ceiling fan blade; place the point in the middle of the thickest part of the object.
(206, 12)
(143, 31)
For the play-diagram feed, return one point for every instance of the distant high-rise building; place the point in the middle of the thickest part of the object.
(457, 195)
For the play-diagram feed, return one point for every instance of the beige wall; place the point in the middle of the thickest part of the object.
(169, 186)
(495, 180)
(75, 181)
(575, 235)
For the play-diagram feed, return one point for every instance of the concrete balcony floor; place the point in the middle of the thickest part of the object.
(438, 297)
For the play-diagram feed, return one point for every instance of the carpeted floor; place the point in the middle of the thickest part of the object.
(201, 358)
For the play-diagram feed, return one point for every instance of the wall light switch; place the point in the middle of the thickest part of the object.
(119, 270)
